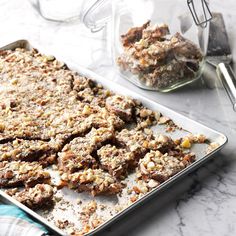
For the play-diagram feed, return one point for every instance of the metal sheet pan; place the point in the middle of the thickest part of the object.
(113, 203)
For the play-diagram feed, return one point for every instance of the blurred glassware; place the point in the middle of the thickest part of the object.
(93, 13)
(59, 10)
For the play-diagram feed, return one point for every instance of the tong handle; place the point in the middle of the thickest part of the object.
(228, 79)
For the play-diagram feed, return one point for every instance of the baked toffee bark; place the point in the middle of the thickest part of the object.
(95, 181)
(161, 167)
(162, 143)
(39, 196)
(115, 160)
(95, 138)
(28, 150)
(36, 87)
(134, 141)
(90, 92)
(16, 173)
(121, 106)
(38, 100)
(100, 136)
(133, 35)
(77, 155)
(145, 117)
(157, 58)
(105, 119)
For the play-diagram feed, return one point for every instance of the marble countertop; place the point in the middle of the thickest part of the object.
(202, 203)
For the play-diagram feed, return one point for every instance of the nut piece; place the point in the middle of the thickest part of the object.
(212, 146)
(152, 183)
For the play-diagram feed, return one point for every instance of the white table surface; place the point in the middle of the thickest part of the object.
(203, 203)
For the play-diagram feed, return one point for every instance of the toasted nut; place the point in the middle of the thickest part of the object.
(143, 169)
(152, 183)
(186, 143)
(145, 144)
(49, 58)
(150, 165)
(86, 110)
(201, 138)
(163, 120)
(2, 127)
(14, 81)
(136, 189)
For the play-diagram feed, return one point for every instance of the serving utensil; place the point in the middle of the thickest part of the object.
(219, 55)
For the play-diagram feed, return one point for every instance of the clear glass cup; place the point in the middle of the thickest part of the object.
(93, 13)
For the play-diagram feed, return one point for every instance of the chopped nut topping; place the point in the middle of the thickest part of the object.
(95, 181)
(77, 155)
(28, 150)
(160, 167)
(115, 160)
(121, 106)
(134, 141)
(15, 174)
(211, 147)
(40, 195)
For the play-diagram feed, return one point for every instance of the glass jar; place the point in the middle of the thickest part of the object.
(160, 45)
(156, 44)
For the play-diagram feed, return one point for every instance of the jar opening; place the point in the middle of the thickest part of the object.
(97, 15)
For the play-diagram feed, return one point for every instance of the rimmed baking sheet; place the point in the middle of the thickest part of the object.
(111, 208)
